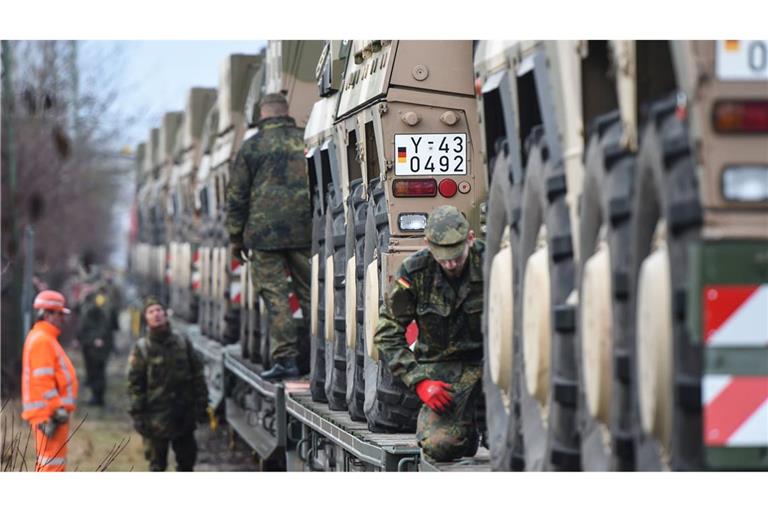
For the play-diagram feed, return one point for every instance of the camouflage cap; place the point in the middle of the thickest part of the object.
(151, 301)
(446, 232)
(274, 97)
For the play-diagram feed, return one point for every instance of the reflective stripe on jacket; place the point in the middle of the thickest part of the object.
(48, 379)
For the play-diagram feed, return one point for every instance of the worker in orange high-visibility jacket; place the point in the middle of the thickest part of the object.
(48, 383)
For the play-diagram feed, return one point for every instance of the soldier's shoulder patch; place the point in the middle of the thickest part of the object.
(417, 260)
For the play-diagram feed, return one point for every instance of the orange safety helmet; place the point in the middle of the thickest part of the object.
(51, 300)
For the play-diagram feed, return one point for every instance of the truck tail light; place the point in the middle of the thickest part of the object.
(447, 187)
(741, 116)
(414, 188)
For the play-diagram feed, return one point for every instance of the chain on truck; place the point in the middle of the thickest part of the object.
(622, 190)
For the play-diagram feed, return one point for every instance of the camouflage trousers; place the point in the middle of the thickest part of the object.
(184, 448)
(269, 271)
(454, 433)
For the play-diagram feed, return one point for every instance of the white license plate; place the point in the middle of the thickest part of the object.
(742, 60)
(443, 154)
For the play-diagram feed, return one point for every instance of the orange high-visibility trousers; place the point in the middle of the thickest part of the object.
(51, 451)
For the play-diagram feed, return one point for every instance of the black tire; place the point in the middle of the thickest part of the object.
(335, 348)
(666, 187)
(356, 215)
(246, 349)
(231, 332)
(502, 406)
(262, 317)
(253, 335)
(389, 405)
(317, 343)
(553, 445)
(606, 201)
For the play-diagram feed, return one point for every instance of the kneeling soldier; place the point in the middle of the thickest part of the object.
(441, 288)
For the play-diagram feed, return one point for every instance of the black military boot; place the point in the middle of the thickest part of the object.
(282, 369)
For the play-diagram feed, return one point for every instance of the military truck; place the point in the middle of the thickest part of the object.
(138, 249)
(185, 233)
(150, 217)
(205, 206)
(626, 251)
(220, 272)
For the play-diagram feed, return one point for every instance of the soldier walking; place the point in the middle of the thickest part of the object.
(167, 392)
(268, 212)
(95, 336)
(441, 288)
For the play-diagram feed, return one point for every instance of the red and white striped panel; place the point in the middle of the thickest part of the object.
(235, 288)
(736, 316)
(293, 300)
(412, 335)
(735, 410)
(196, 270)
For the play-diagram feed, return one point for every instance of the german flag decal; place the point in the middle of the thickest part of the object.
(402, 155)
(404, 283)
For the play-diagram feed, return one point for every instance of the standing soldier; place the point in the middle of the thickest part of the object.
(94, 334)
(269, 213)
(48, 383)
(441, 288)
(167, 392)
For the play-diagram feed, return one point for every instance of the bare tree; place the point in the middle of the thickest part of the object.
(69, 170)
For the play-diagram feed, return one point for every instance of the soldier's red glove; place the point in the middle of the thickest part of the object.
(436, 394)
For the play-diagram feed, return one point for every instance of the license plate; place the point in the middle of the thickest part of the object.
(742, 60)
(443, 154)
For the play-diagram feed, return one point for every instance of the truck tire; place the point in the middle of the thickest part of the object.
(245, 349)
(356, 215)
(254, 332)
(549, 396)
(335, 340)
(500, 380)
(317, 342)
(602, 345)
(231, 333)
(389, 405)
(666, 194)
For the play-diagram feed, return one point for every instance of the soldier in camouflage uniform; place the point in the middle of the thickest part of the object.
(268, 212)
(441, 288)
(167, 392)
(95, 326)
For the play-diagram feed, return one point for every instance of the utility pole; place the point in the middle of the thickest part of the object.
(9, 144)
(27, 288)
(11, 301)
(74, 83)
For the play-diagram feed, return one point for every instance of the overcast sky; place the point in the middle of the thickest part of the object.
(153, 77)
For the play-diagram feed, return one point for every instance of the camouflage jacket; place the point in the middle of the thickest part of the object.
(448, 316)
(268, 205)
(94, 320)
(166, 385)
